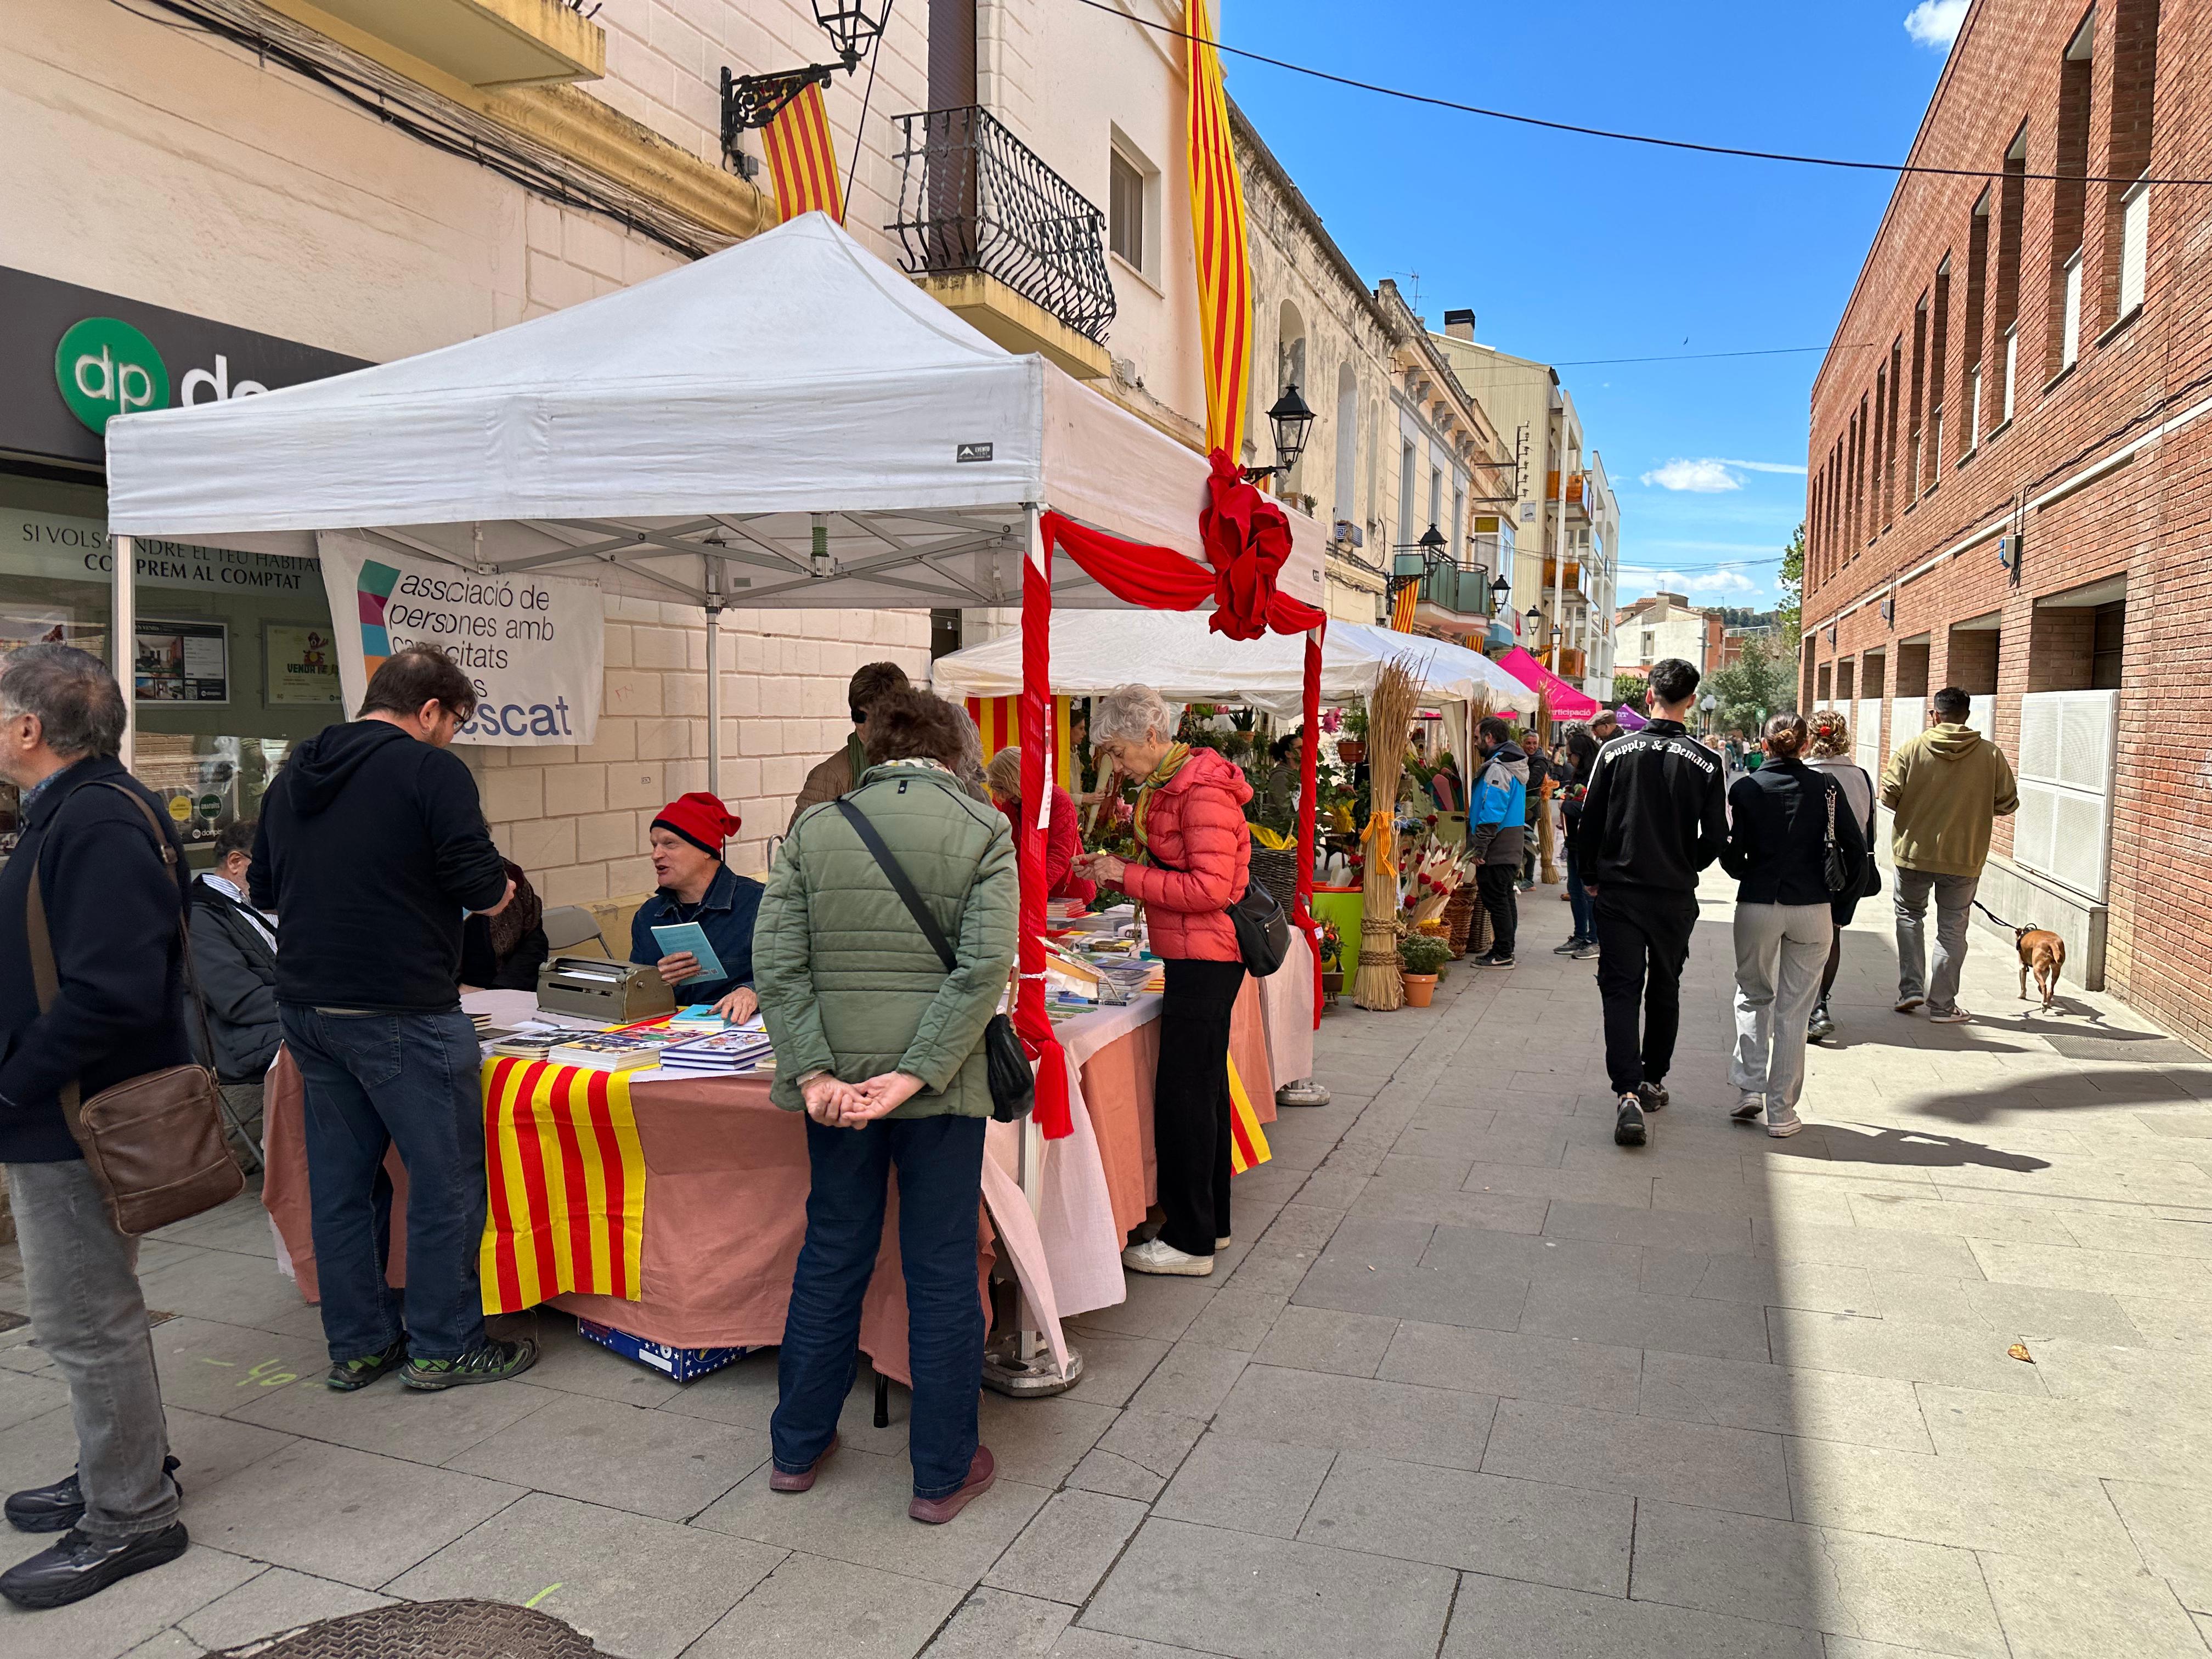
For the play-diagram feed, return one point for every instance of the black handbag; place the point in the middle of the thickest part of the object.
(1013, 1084)
(1263, 930)
(1835, 868)
(1872, 885)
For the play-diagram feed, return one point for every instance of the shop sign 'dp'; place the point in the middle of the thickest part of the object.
(105, 369)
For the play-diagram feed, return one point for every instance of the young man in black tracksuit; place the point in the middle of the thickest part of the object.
(1655, 816)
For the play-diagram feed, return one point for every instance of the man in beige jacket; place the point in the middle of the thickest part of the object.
(838, 774)
(1948, 785)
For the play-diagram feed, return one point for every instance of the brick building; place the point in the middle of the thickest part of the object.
(2011, 471)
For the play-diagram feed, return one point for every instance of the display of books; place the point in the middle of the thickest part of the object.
(528, 1045)
(611, 1051)
(720, 1054)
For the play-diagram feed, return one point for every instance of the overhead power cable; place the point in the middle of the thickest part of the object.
(1433, 102)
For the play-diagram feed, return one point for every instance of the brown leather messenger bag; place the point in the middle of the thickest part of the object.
(154, 1143)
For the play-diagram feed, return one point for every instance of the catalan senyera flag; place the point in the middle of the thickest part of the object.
(567, 1185)
(1217, 223)
(802, 158)
(999, 719)
(1401, 607)
(1248, 1142)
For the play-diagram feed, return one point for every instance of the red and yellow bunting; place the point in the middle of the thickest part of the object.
(1401, 607)
(1248, 1142)
(802, 159)
(567, 1185)
(1217, 223)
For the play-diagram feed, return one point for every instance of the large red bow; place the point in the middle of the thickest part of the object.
(1248, 538)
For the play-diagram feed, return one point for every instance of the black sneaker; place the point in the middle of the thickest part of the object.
(78, 1565)
(1653, 1095)
(1569, 947)
(1628, 1127)
(61, 1506)
(493, 1361)
(1822, 1024)
(1587, 950)
(347, 1375)
(1489, 960)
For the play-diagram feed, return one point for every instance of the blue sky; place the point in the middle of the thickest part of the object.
(1569, 248)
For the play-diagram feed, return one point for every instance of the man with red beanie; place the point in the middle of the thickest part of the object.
(687, 837)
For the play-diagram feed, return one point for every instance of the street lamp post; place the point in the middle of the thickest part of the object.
(1292, 422)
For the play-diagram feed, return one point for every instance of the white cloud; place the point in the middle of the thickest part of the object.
(1705, 477)
(1935, 23)
(1768, 467)
(1689, 581)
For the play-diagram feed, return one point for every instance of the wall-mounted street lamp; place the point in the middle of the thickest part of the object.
(752, 101)
(1292, 423)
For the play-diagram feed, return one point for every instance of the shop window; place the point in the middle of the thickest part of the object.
(233, 660)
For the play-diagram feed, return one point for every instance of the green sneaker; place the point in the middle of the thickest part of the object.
(347, 1375)
(494, 1361)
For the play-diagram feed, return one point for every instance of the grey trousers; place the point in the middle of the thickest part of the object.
(1780, 950)
(82, 1277)
(1955, 899)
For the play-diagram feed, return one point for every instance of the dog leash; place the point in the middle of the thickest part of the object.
(1994, 916)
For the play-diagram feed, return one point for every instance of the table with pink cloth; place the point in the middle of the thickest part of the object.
(726, 1182)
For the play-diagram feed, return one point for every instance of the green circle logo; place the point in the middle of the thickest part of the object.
(105, 369)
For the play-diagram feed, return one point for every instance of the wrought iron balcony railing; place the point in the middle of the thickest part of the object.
(972, 196)
(1463, 590)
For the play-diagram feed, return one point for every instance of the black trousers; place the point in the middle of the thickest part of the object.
(1190, 1101)
(1644, 942)
(1496, 883)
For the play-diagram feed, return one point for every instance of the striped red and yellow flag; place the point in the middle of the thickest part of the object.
(999, 719)
(567, 1185)
(1401, 607)
(1248, 1142)
(1217, 223)
(802, 158)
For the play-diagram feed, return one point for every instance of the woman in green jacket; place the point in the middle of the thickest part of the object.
(883, 1049)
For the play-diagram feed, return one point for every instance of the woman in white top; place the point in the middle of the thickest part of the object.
(1829, 751)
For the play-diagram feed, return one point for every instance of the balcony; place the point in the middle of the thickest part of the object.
(1580, 493)
(1002, 240)
(479, 43)
(1451, 595)
(1570, 663)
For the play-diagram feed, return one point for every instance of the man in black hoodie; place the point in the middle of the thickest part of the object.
(373, 848)
(1655, 815)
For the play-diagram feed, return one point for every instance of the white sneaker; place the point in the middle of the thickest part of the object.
(1782, 1120)
(1950, 1017)
(1224, 1242)
(1751, 1106)
(1906, 1005)
(1159, 1256)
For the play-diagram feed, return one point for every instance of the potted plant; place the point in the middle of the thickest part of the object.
(1332, 959)
(1352, 739)
(1419, 957)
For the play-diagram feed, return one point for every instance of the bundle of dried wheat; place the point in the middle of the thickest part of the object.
(1390, 709)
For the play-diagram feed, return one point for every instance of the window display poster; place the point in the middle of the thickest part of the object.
(533, 646)
(302, 663)
(182, 661)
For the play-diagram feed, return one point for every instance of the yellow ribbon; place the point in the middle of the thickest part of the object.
(1380, 837)
(1274, 841)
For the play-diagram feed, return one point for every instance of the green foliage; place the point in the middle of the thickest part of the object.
(1629, 689)
(1419, 953)
(1790, 615)
(1764, 679)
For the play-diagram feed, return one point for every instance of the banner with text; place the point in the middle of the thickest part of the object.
(535, 646)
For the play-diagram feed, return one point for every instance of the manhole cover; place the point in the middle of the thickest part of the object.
(427, 1630)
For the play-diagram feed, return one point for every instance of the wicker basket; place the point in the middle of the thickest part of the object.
(1460, 912)
(1277, 870)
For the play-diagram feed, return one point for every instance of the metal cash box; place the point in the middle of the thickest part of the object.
(612, 993)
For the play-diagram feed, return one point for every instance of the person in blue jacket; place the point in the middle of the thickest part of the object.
(688, 837)
(1497, 826)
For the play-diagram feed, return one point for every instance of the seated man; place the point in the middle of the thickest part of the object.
(688, 838)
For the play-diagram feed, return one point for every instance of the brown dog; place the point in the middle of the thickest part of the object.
(2042, 952)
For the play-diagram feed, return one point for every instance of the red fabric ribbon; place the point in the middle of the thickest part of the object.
(1247, 539)
(1032, 1024)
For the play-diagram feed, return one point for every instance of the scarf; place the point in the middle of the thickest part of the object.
(1170, 763)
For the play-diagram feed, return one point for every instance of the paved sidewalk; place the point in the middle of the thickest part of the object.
(1472, 1380)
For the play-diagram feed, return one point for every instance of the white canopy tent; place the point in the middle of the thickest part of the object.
(1178, 656)
(789, 424)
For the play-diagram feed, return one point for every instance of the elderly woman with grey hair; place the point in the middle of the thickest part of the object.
(1194, 860)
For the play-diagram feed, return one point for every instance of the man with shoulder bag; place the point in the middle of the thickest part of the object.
(112, 923)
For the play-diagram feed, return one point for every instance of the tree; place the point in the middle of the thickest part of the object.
(1762, 682)
(1629, 689)
(1791, 613)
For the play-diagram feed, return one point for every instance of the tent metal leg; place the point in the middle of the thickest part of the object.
(1020, 1362)
(122, 642)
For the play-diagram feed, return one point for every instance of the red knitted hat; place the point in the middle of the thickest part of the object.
(699, 819)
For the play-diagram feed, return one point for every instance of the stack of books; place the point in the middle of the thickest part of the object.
(528, 1045)
(611, 1051)
(724, 1052)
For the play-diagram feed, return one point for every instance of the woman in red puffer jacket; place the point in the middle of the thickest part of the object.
(1196, 859)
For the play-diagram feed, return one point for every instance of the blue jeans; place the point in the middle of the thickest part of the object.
(374, 1081)
(940, 1176)
(1579, 898)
